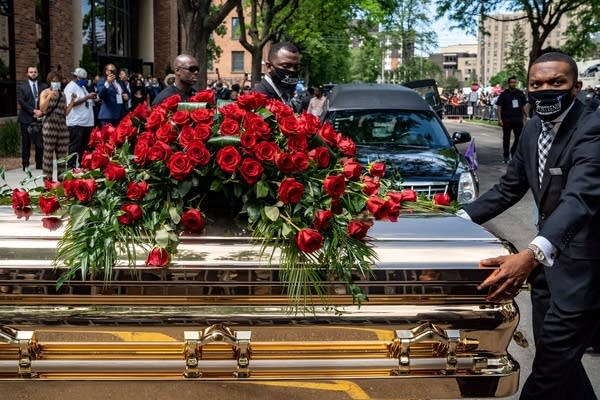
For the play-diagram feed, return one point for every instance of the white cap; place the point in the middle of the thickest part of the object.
(80, 73)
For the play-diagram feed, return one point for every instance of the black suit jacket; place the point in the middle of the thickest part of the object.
(568, 203)
(26, 101)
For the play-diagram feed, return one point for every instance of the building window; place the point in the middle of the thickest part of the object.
(235, 28)
(106, 27)
(8, 105)
(237, 61)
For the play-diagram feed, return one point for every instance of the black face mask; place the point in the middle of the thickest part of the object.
(285, 78)
(549, 104)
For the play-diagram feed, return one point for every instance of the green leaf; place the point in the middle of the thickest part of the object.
(216, 186)
(286, 229)
(79, 216)
(262, 189)
(190, 106)
(184, 187)
(253, 210)
(175, 217)
(222, 141)
(162, 237)
(272, 213)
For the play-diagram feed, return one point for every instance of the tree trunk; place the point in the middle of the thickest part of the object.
(256, 64)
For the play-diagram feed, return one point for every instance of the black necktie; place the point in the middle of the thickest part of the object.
(544, 144)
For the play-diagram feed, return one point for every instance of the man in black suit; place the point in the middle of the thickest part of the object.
(28, 99)
(558, 159)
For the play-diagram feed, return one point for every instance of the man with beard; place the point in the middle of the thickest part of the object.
(186, 76)
(558, 159)
(283, 70)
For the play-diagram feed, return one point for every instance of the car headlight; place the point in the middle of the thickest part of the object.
(467, 188)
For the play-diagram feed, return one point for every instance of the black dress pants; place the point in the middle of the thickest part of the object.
(561, 338)
(507, 127)
(27, 141)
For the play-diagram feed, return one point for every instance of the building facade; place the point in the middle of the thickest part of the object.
(493, 47)
(458, 61)
(140, 35)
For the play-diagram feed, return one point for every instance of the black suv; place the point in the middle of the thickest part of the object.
(395, 124)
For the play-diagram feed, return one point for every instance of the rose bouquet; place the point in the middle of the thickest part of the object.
(294, 181)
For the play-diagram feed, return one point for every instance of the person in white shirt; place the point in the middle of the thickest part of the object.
(80, 119)
(315, 106)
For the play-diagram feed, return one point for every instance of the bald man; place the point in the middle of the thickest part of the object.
(186, 76)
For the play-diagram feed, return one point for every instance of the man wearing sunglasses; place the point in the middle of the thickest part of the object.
(114, 97)
(186, 76)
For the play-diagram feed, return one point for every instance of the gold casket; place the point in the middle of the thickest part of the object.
(220, 314)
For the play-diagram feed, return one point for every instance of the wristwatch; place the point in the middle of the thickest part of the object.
(538, 254)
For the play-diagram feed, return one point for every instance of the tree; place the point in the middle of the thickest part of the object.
(582, 34)
(265, 21)
(542, 16)
(366, 62)
(450, 84)
(500, 78)
(200, 19)
(515, 59)
(419, 68)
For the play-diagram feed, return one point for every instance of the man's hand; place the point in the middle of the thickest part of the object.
(37, 113)
(499, 122)
(508, 277)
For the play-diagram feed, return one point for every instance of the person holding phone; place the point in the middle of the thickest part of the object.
(55, 134)
(114, 96)
(80, 119)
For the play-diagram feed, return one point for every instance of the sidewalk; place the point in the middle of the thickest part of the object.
(14, 178)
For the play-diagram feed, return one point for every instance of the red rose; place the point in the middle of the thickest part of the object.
(158, 257)
(335, 185)
(328, 135)
(347, 146)
(180, 165)
(198, 153)
(300, 162)
(114, 172)
(141, 112)
(285, 163)
(309, 240)
(252, 100)
(442, 199)
(288, 125)
(297, 142)
(160, 151)
(396, 197)
(336, 206)
(377, 169)
(232, 110)
(228, 159)
(256, 124)
(358, 229)
(308, 124)
(229, 127)
(137, 190)
(203, 96)
(156, 118)
(279, 109)
(20, 199)
(171, 103)
(192, 220)
(51, 223)
(69, 187)
(321, 156)
(51, 185)
(202, 116)
(290, 191)
(131, 213)
(378, 207)
(96, 137)
(99, 159)
(181, 117)
(393, 210)
(142, 150)
(124, 130)
(187, 135)
(322, 219)
(248, 140)
(352, 170)
(48, 205)
(166, 133)
(85, 189)
(409, 195)
(251, 170)
(266, 151)
(371, 185)
(202, 132)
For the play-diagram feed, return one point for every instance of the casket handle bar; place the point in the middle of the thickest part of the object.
(443, 341)
(239, 340)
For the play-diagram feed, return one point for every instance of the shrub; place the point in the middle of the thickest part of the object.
(10, 138)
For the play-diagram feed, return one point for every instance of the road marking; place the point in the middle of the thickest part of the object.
(353, 390)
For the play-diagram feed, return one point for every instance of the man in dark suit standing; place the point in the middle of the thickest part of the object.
(28, 99)
(114, 96)
(558, 159)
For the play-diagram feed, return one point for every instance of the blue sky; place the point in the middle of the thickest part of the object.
(448, 37)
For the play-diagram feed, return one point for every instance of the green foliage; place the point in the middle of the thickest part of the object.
(419, 68)
(581, 44)
(88, 63)
(366, 62)
(450, 84)
(500, 78)
(515, 60)
(10, 138)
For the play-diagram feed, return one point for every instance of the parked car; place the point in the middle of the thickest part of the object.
(428, 90)
(393, 123)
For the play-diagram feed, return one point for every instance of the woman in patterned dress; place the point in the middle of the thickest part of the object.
(54, 132)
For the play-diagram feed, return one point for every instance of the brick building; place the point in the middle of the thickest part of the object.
(141, 35)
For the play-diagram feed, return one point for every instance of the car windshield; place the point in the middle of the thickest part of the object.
(391, 127)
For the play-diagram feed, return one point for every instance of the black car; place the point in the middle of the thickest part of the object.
(393, 123)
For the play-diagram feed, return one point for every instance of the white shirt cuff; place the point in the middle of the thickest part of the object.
(463, 214)
(547, 248)
(106, 84)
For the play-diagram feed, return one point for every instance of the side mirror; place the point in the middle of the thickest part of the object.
(461, 137)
